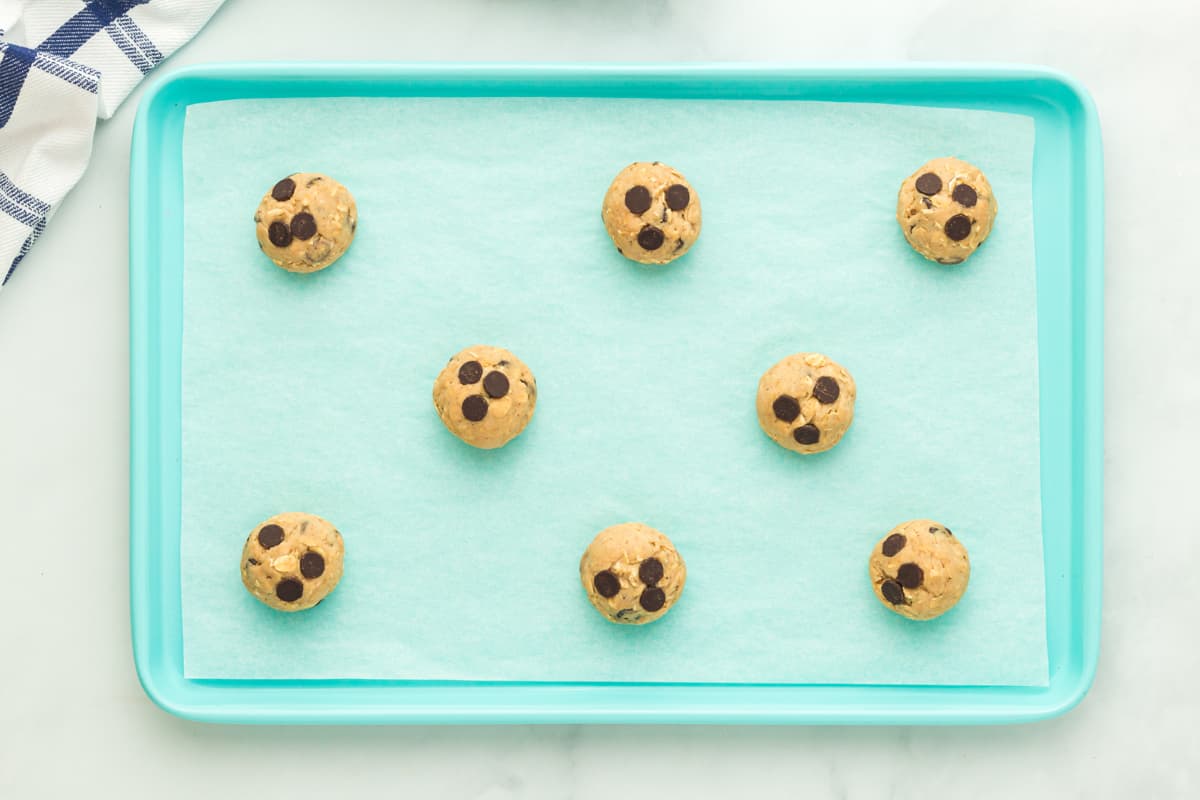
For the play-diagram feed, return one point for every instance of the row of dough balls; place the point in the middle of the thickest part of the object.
(486, 396)
(632, 573)
(945, 210)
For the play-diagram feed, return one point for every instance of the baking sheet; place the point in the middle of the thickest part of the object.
(479, 222)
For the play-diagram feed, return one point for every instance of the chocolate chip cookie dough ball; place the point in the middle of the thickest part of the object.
(651, 212)
(292, 561)
(485, 396)
(306, 222)
(632, 573)
(946, 210)
(806, 402)
(920, 569)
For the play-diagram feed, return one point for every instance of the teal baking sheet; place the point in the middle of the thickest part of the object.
(479, 223)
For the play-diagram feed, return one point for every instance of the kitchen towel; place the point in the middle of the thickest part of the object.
(63, 64)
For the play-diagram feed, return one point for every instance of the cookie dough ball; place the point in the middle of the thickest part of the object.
(651, 212)
(292, 561)
(946, 209)
(919, 570)
(485, 396)
(306, 222)
(632, 573)
(806, 402)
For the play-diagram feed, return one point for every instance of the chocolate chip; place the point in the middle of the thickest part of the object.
(949, 260)
(910, 575)
(304, 227)
(284, 189)
(650, 571)
(279, 234)
(786, 408)
(253, 561)
(289, 590)
(678, 245)
(311, 181)
(664, 215)
(312, 565)
(269, 536)
(826, 390)
(892, 592)
(964, 195)
(470, 372)
(650, 238)
(894, 544)
(935, 530)
(958, 228)
(637, 199)
(929, 183)
(606, 584)
(474, 408)
(678, 197)
(928, 203)
(807, 434)
(948, 532)
(495, 384)
(653, 599)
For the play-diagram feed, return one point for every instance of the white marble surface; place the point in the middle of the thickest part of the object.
(72, 716)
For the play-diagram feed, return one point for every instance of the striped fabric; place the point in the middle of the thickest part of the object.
(63, 64)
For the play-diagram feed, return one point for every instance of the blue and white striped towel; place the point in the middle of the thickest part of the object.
(63, 63)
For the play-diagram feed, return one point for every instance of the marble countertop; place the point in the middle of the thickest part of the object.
(73, 718)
